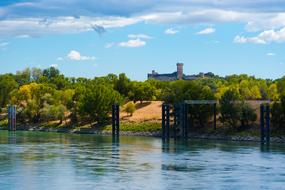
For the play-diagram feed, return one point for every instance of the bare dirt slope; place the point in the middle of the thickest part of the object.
(147, 111)
(151, 111)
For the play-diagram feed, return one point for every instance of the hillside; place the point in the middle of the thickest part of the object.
(147, 111)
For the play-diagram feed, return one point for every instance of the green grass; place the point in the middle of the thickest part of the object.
(136, 127)
(4, 123)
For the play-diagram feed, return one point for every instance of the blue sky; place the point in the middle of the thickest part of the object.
(93, 38)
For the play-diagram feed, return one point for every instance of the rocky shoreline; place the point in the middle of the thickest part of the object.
(280, 139)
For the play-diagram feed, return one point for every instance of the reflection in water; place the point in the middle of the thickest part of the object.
(34, 160)
(12, 137)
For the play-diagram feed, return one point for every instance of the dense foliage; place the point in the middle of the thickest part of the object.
(47, 95)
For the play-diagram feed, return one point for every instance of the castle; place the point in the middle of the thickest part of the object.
(177, 75)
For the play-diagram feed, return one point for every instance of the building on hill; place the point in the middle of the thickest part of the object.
(178, 75)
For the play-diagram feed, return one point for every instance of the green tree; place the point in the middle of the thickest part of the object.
(123, 85)
(30, 99)
(96, 102)
(36, 74)
(273, 92)
(7, 85)
(281, 86)
(231, 107)
(23, 77)
(142, 91)
(51, 72)
(278, 114)
(130, 108)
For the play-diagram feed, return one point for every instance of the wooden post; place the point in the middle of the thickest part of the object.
(115, 120)
(262, 123)
(182, 120)
(185, 121)
(215, 116)
(12, 113)
(118, 120)
(167, 121)
(176, 120)
(267, 123)
(163, 122)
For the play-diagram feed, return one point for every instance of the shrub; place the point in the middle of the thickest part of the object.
(278, 114)
(231, 107)
(248, 116)
(130, 108)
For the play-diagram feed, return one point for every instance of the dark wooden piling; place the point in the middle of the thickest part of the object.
(262, 123)
(165, 121)
(115, 120)
(176, 120)
(215, 116)
(267, 122)
(12, 120)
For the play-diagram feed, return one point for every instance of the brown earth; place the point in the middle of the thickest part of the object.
(151, 111)
(146, 111)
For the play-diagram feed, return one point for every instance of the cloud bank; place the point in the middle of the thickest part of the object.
(39, 17)
(206, 31)
(265, 37)
(133, 43)
(74, 55)
(171, 31)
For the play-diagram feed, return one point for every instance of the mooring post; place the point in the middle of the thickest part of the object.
(262, 123)
(215, 116)
(115, 120)
(12, 112)
(15, 118)
(163, 122)
(185, 121)
(267, 123)
(176, 120)
(9, 118)
(118, 119)
(182, 120)
(167, 121)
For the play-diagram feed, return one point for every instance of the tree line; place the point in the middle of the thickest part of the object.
(47, 95)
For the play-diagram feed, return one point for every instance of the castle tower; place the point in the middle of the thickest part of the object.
(179, 71)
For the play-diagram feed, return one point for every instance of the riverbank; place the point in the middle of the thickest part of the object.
(152, 130)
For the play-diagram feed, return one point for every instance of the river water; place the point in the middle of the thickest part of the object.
(50, 161)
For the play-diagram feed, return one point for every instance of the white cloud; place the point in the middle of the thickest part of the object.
(3, 45)
(109, 45)
(54, 65)
(243, 40)
(34, 18)
(38, 26)
(133, 43)
(206, 31)
(23, 36)
(171, 31)
(265, 37)
(60, 59)
(76, 56)
(141, 36)
(270, 54)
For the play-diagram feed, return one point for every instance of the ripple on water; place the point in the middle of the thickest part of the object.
(53, 161)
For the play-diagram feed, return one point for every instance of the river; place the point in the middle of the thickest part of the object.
(51, 161)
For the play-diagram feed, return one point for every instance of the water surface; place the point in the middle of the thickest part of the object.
(36, 160)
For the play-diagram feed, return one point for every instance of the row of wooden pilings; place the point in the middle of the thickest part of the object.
(180, 122)
(180, 126)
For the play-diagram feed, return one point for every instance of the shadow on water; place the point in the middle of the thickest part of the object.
(12, 137)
